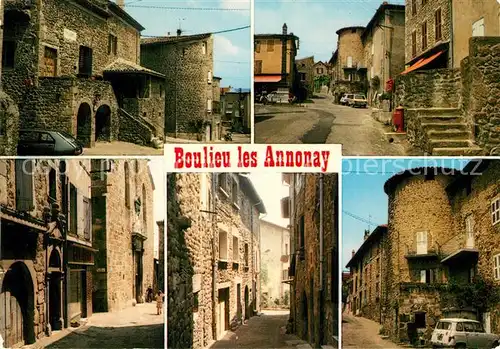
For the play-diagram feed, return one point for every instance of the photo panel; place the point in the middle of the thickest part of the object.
(420, 252)
(82, 252)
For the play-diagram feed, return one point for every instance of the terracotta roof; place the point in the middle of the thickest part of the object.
(123, 66)
(174, 39)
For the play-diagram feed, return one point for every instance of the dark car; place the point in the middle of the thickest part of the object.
(45, 143)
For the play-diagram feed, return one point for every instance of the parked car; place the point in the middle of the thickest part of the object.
(358, 101)
(462, 333)
(345, 99)
(45, 143)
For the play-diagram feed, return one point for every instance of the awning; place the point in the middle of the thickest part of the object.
(422, 63)
(267, 78)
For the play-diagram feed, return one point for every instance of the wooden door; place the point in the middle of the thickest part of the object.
(11, 321)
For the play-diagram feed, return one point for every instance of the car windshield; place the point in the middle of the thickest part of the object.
(443, 325)
(359, 97)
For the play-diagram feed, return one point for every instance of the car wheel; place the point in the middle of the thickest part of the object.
(495, 344)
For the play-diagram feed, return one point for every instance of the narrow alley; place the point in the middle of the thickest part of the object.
(359, 332)
(323, 122)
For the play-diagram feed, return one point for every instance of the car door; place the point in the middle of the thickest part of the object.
(28, 143)
(470, 332)
(47, 144)
(460, 334)
(481, 337)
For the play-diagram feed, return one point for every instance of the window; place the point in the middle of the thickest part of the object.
(424, 35)
(144, 210)
(414, 44)
(478, 28)
(209, 105)
(270, 45)
(85, 62)
(112, 44)
(49, 65)
(427, 276)
(286, 249)
(236, 250)
(420, 320)
(460, 327)
(73, 209)
(349, 62)
(301, 232)
(222, 179)
(127, 185)
(246, 255)
(9, 54)
(195, 302)
(469, 231)
(144, 87)
(437, 20)
(234, 192)
(495, 211)
(422, 242)
(204, 48)
(496, 266)
(257, 46)
(88, 219)
(222, 245)
(209, 78)
(442, 325)
(257, 69)
(52, 186)
(24, 185)
(204, 191)
(413, 7)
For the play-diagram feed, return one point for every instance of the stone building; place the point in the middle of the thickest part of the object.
(305, 72)
(313, 211)
(428, 31)
(442, 248)
(275, 262)
(160, 280)
(322, 75)
(366, 274)
(236, 109)
(213, 256)
(274, 62)
(123, 227)
(348, 67)
(384, 48)
(46, 251)
(188, 65)
(74, 67)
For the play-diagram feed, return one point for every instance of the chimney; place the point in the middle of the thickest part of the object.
(121, 4)
(285, 29)
(367, 233)
(353, 253)
(179, 32)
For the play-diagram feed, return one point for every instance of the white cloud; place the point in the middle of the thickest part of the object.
(236, 4)
(224, 46)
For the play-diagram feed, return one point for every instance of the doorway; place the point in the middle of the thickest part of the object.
(223, 313)
(103, 124)
(247, 299)
(138, 276)
(84, 124)
(238, 302)
(55, 291)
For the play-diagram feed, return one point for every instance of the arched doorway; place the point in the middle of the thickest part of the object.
(84, 124)
(103, 124)
(247, 296)
(305, 318)
(55, 291)
(17, 307)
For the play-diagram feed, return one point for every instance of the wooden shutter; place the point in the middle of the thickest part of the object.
(73, 210)
(88, 218)
(24, 185)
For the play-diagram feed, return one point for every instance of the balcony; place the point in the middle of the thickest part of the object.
(414, 255)
(459, 250)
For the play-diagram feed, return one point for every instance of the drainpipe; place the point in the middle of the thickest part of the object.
(321, 258)
(214, 259)
(451, 33)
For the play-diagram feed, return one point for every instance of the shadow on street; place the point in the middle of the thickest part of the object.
(150, 336)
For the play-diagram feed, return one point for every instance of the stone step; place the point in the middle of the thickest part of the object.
(432, 119)
(294, 342)
(461, 151)
(449, 134)
(449, 143)
(304, 346)
(436, 111)
(456, 126)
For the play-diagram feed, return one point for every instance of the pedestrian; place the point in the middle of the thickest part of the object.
(149, 294)
(159, 303)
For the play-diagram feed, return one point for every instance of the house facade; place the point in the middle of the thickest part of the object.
(274, 61)
(236, 109)
(322, 75)
(45, 277)
(384, 48)
(213, 256)
(72, 78)
(305, 71)
(123, 225)
(187, 63)
(313, 211)
(442, 249)
(275, 262)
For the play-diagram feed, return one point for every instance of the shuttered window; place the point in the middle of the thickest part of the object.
(438, 20)
(73, 210)
(24, 185)
(496, 266)
(414, 44)
(88, 219)
(424, 35)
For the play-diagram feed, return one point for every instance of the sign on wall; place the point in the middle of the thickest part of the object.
(69, 35)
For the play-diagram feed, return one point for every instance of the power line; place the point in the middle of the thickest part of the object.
(235, 62)
(361, 219)
(160, 7)
(213, 33)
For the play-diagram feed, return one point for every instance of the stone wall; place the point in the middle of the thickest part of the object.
(161, 256)
(425, 13)
(134, 129)
(481, 91)
(350, 45)
(306, 66)
(186, 88)
(439, 88)
(9, 125)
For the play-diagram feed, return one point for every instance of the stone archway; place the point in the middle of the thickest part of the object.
(55, 290)
(17, 306)
(103, 123)
(84, 124)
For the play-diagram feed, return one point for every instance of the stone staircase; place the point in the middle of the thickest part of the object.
(445, 132)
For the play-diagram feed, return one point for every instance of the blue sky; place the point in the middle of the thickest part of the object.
(363, 194)
(231, 50)
(314, 21)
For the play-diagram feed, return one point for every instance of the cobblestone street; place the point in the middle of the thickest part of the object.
(134, 327)
(359, 332)
(324, 122)
(264, 331)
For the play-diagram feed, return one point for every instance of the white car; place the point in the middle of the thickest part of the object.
(462, 333)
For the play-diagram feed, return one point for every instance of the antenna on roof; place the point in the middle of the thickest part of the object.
(179, 30)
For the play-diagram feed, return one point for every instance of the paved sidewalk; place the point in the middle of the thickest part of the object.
(360, 333)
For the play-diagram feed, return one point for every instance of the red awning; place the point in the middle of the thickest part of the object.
(422, 63)
(267, 78)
